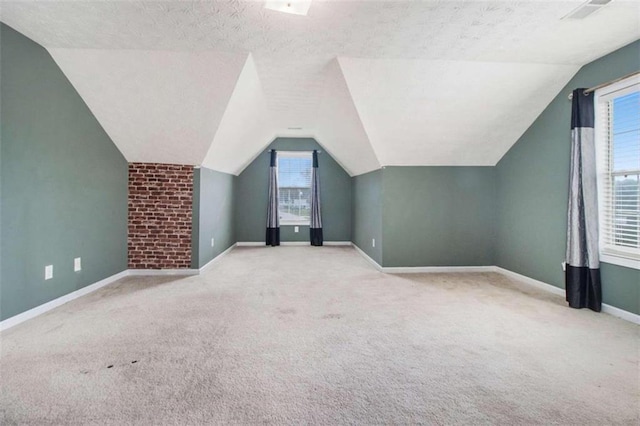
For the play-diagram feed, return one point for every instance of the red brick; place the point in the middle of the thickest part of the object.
(160, 213)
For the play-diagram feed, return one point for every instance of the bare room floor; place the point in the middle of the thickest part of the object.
(308, 335)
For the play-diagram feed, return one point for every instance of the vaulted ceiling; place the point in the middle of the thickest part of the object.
(377, 83)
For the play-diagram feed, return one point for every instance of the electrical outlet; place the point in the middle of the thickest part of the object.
(48, 272)
(564, 266)
(373, 242)
(296, 229)
(213, 242)
(77, 264)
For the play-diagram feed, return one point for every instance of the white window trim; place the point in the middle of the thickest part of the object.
(295, 154)
(299, 154)
(608, 254)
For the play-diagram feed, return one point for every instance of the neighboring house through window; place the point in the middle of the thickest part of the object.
(294, 187)
(617, 131)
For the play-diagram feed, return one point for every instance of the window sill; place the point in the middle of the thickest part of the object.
(295, 224)
(620, 261)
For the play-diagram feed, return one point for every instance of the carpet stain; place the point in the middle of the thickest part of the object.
(332, 316)
(287, 311)
(54, 328)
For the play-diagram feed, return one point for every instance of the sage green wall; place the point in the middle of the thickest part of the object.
(252, 196)
(64, 183)
(367, 213)
(213, 195)
(438, 216)
(533, 182)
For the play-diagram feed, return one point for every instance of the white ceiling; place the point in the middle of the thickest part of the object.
(441, 112)
(376, 82)
(339, 127)
(157, 106)
(246, 125)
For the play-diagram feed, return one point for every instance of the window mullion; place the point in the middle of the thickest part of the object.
(618, 146)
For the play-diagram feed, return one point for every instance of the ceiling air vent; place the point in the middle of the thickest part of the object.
(587, 9)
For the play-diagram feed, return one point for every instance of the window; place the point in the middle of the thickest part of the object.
(294, 187)
(617, 130)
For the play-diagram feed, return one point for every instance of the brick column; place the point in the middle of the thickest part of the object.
(160, 214)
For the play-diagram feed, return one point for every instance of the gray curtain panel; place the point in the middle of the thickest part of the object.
(316, 217)
(582, 277)
(273, 217)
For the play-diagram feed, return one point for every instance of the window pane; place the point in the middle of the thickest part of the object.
(626, 132)
(294, 184)
(626, 208)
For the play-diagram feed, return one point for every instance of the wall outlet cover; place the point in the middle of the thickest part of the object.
(48, 272)
(213, 242)
(373, 242)
(296, 229)
(77, 264)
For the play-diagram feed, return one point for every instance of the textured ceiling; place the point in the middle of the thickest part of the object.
(456, 113)
(157, 106)
(339, 128)
(376, 82)
(245, 127)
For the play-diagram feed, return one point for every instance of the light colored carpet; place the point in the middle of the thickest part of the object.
(306, 335)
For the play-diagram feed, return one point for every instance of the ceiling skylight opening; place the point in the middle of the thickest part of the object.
(295, 7)
(586, 9)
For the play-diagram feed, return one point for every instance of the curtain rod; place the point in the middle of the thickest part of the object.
(594, 88)
(295, 150)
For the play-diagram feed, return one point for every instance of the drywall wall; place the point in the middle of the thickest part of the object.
(64, 183)
(533, 182)
(252, 195)
(438, 216)
(366, 211)
(213, 195)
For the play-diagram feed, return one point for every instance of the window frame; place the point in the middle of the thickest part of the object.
(292, 154)
(617, 255)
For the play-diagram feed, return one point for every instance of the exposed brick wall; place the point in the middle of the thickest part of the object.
(160, 206)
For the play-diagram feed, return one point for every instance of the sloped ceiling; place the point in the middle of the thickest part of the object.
(376, 82)
(433, 111)
(245, 126)
(339, 127)
(157, 106)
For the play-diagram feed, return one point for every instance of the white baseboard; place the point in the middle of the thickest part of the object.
(620, 313)
(434, 269)
(608, 309)
(291, 243)
(217, 258)
(530, 281)
(422, 269)
(157, 272)
(185, 272)
(39, 310)
(367, 257)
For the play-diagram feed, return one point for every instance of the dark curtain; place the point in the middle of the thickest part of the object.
(316, 218)
(582, 277)
(273, 218)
